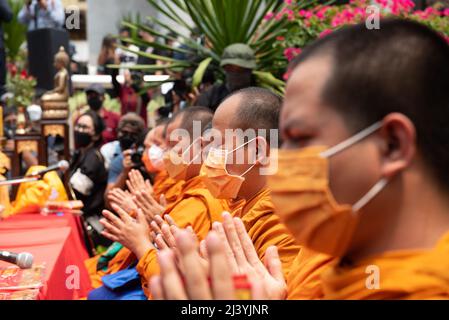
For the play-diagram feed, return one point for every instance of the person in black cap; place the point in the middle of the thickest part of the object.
(95, 95)
(238, 62)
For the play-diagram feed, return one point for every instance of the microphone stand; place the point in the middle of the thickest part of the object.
(18, 181)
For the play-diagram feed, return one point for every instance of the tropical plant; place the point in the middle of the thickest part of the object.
(15, 32)
(221, 23)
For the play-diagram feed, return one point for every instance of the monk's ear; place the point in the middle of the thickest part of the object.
(398, 143)
(262, 150)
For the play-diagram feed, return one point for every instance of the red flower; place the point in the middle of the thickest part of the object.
(12, 69)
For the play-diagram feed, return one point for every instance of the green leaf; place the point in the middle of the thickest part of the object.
(199, 72)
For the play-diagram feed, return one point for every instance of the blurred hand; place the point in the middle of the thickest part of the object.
(149, 206)
(127, 162)
(123, 199)
(133, 234)
(164, 233)
(136, 183)
(243, 258)
(169, 284)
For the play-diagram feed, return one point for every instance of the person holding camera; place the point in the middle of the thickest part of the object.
(131, 131)
(40, 14)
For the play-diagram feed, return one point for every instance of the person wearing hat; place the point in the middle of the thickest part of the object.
(238, 62)
(95, 95)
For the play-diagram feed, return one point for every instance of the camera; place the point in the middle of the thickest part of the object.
(136, 156)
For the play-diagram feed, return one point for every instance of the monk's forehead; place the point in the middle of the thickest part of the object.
(227, 113)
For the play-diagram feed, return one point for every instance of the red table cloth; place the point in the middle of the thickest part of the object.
(56, 241)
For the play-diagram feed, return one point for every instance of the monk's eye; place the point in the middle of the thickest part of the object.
(294, 139)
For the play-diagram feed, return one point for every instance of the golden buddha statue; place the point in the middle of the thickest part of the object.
(60, 91)
(55, 102)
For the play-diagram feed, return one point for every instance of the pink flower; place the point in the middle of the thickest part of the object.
(290, 53)
(320, 15)
(305, 13)
(288, 2)
(269, 16)
(324, 33)
(446, 12)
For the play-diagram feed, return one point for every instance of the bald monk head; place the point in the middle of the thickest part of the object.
(249, 115)
(185, 129)
(354, 78)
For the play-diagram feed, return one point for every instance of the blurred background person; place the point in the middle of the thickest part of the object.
(88, 176)
(95, 95)
(238, 62)
(39, 14)
(107, 55)
(131, 133)
(6, 15)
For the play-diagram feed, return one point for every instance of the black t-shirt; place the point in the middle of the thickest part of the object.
(213, 97)
(88, 179)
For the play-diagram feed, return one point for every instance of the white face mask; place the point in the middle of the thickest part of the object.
(156, 155)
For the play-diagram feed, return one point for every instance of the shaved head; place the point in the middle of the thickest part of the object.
(187, 116)
(253, 108)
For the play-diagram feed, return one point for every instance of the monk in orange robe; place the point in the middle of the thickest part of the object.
(117, 257)
(194, 205)
(252, 108)
(377, 198)
(258, 110)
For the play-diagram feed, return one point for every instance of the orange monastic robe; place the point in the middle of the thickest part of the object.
(407, 274)
(265, 229)
(31, 196)
(163, 184)
(304, 280)
(195, 207)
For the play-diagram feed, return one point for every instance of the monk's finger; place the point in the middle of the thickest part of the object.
(156, 288)
(155, 227)
(161, 244)
(196, 281)
(203, 250)
(273, 263)
(171, 281)
(110, 236)
(142, 203)
(233, 239)
(221, 277)
(124, 216)
(130, 186)
(218, 227)
(170, 220)
(246, 242)
(121, 193)
(110, 228)
(162, 201)
(158, 219)
(168, 236)
(192, 232)
(113, 218)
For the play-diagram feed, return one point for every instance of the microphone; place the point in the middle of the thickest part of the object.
(62, 165)
(23, 260)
